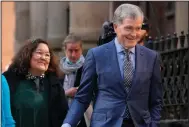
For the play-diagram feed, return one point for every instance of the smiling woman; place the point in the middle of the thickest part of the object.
(36, 94)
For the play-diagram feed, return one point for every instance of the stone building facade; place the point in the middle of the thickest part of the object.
(52, 21)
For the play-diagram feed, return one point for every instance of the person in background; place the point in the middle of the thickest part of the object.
(144, 33)
(37, 97)
(6, 115)
(71, 65)
(107, 33)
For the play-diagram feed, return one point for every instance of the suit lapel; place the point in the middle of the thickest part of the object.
(139, 65)
(113, 62)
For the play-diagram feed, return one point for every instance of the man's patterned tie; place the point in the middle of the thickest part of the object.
(128, 76)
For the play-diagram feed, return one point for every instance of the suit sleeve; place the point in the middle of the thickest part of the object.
(85, 92)
(156, 93)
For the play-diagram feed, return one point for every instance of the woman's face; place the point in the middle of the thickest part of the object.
(40, 58)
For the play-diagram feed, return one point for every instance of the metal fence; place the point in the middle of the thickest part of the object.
(174, 51)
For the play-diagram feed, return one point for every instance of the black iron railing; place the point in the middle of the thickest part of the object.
(174, 53)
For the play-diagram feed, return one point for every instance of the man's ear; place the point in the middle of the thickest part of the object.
(115, 27)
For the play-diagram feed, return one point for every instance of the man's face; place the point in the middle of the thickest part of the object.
(73, 51)
(128, 33)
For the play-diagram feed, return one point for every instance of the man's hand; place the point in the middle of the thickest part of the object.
(71, 92)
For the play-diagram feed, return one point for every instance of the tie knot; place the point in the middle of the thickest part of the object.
(127, 51)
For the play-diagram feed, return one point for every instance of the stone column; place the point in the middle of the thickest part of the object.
(8, 33)
(111, 10)
(22, 24)
(142, 5)
(181, 17)
(57, 23)
(38, 18)
(86, 19)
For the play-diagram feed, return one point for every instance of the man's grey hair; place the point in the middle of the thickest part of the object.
(72, 38)
(127, 11)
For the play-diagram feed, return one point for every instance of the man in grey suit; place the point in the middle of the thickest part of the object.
(124, 76)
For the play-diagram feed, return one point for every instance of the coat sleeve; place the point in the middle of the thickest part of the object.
(57, 101)
(7, 118)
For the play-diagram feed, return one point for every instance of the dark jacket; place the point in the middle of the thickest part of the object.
(78, 77)
(76, 84)
(58, 106)
(77, 80)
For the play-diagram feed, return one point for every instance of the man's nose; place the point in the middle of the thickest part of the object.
(134, 34)
(73, 54)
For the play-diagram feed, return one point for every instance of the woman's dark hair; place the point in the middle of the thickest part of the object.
(21, 61)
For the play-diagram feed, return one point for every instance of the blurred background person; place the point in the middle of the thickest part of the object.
(144, 34)
(107, 33)
(37, 98)
(71, 65)
(6, 116)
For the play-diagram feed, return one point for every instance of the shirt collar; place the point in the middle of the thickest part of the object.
(120, 48)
